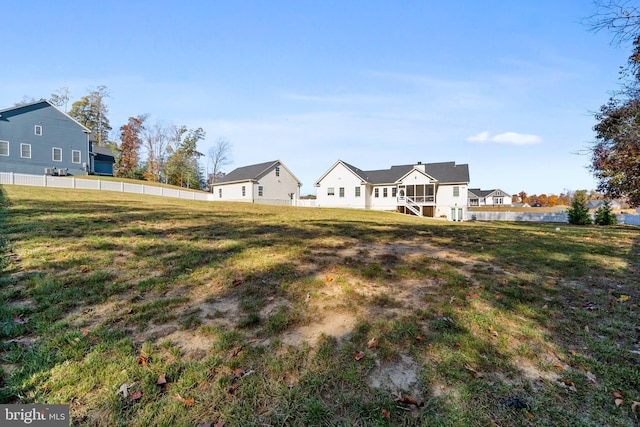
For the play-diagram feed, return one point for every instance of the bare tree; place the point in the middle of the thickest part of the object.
(60, 97)
(219, 156)
(156, 141)
(621, 17)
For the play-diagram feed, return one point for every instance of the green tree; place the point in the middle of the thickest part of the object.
(130, 143)
(182, 166)
(615, 152)
(578, 213)
(92, 112)
(604, 215)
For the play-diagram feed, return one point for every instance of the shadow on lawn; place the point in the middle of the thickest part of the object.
(538, 268)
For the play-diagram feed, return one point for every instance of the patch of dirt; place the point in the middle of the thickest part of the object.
(398, 375)
(336, 324)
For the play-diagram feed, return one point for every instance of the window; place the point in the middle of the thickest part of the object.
(76, 156)
(38, 130)
(57, 154)
(341, 191)
(260, 190)
(499, 200)
(277, 170)
(25, 151)
(4, 148)
(376, 192)
(394, 191)
(357, 191)
(331, 191)
(456, 191)
(244, 191)
(385, 192)
(220, 193)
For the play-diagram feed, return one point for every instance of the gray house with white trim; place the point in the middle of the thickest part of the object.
(38, 138)
(267, 183)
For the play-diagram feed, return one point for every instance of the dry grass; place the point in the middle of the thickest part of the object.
(259, 313)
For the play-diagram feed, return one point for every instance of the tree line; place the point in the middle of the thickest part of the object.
(155, 152)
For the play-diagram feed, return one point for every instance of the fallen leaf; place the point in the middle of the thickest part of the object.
(236, 351)
(373, 342)
(220, 424)
(591, 377)
(237, 282)
(142, 360)
(420, 338)
(619, 402)
(634, 406)
(20, 320)
(386, 414)
(473, 372)
(586, 328)
(85, 332)
(136, 395)
(162, 379)
(493, 331)
(559, 367)
(624, 298)
(187, 402)
(124, 389)
(358, 355)
(498, 296)
(570, 384)
(616, 394)
(232, 388)
(329, 278)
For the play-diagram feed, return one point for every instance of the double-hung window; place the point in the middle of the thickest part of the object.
(25, 151)
(4, 148)
(76, 156)
(38, 130)
(57, 154)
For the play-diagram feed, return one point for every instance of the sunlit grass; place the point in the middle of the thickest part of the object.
(217, 297)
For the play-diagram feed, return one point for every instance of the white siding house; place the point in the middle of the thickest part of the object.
(432, 189)
(267, 183)
(495, 197)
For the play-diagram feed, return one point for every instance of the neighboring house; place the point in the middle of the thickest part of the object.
(495, 197)
(596, 204)
(430, 189)
(102, 160)
(37, 138)
(266, 183)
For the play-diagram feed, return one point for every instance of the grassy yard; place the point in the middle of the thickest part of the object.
(145, 311)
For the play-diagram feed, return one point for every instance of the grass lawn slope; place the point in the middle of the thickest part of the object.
(148, 311)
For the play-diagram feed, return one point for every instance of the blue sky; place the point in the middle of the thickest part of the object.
(504, 86)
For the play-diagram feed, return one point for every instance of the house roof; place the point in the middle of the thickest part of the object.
(251, 173)
(44, 101)
(446, 172)
(484, 193)
(103, 154)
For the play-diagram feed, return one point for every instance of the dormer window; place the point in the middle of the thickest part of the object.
(38, 130)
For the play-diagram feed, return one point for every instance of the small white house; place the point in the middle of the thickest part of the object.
(269, 183)
(495, 197)
(430, 189)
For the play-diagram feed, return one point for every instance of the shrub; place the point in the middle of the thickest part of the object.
(578, 213)
(604, 215)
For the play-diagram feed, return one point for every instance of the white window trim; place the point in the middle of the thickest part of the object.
(21, 147)
(260, 191)
(79, 156)
(37, 130)
(331, 191)
(6, 142)
(53, 154)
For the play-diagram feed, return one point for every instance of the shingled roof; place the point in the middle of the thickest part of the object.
(446, 172)
(249, 173)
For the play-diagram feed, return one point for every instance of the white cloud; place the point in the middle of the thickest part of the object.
(512, 138)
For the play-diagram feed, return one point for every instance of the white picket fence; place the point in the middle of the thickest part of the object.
(122, 187)
(12, 178)
(560, 217)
